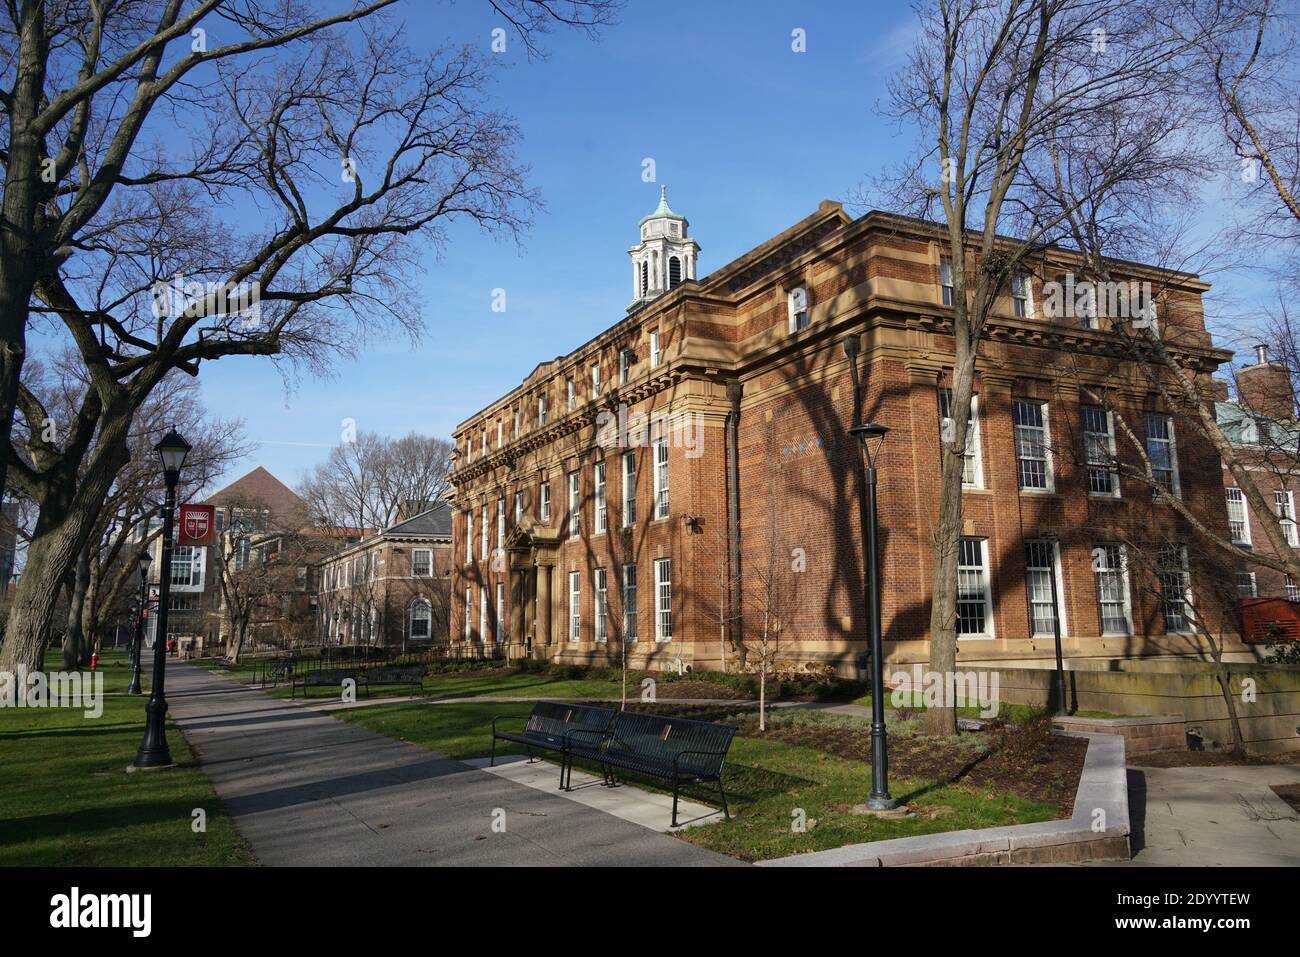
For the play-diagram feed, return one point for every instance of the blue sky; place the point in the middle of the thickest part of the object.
(748, 136)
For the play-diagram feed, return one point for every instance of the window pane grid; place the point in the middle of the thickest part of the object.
(972, 591)
(1031, 443)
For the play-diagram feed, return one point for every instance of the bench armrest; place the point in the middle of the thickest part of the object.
(500, 717)
(681, 754)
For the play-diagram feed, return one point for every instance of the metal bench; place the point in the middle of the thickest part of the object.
(551, 726)
(412, 675)
(674, 750)
(325, 677)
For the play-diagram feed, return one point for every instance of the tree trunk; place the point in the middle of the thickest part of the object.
(236, 642)
(75, 645)
(66, 519)
(942, 719)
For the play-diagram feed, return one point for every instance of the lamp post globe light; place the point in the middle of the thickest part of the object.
(145, 562)
(153, 752)
(870, 438)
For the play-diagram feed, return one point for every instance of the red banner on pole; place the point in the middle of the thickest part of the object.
(197, 522)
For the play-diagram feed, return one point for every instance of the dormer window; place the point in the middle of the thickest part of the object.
(797, 307)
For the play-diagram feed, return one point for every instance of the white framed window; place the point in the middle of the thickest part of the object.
(1246, 585)
(629, 602)
(1176, 589)
(485, 530)
(1292, 590)
(544, 508)
(519, 506)
(602, 512)
(600, 596)
(469, 536)
(655, 354)
(595, 381)
(1285, 504)
(1033, 448)
(1099, 451)
(663, 600)
(796, 302)
(421, 562)
(972, 472)
(945, 280)
(571, 395)
(624, 366)
(1162, 452)
(485, 445)
(1022, 303)
(629, 489)
(974, 598)
(469, 611)
(421, 620)
(501, 611)
(519, 423)
(1110, 568)
(1238, 516)
(1042, 569)
(573, 505)
(501, 522)
(575, 606)
(500, 434)
(541, 410)
(661, 476)
(482, 613)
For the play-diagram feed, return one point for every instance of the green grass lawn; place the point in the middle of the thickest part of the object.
(768, 782)
(452, 685)
(68, 800)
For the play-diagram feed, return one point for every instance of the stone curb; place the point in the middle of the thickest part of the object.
(1102, 797)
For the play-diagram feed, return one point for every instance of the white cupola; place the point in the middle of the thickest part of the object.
(664, 257)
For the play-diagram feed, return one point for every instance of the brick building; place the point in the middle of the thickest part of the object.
(1262, 426)
(391, 588)
(686, 476)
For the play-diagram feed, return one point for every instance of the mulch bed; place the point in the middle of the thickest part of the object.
(697, 688)
(1289, 793)
(1207, 759)
(1025, 759)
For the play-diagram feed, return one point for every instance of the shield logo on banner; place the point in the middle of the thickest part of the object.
(196, 524)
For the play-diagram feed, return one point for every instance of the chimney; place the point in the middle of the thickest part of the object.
(1265, 387)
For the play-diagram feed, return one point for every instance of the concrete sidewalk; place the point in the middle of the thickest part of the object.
(1213, 816)
(306, 789)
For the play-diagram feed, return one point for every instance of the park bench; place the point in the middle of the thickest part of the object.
(676, 751)
(412, 675)
(324, 677)
(551, 727)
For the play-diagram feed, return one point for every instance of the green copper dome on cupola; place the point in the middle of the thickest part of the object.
(662, 211)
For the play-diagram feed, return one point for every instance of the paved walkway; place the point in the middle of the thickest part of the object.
(1212, 816)
(306, 789)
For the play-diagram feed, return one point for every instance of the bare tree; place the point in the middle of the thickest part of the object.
(991, 85)
(352, 149)
(364, 483)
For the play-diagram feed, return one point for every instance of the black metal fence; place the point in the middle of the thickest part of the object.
(275, 669)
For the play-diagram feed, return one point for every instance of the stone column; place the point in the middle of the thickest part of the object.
(542, 637)
(516, 634)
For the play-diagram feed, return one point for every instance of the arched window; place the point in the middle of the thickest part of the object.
(421, 619)
(674, 271)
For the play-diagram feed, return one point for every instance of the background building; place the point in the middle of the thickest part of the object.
(391, 588)
(685, 479)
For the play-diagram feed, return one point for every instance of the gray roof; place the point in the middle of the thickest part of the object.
(1243, 427)
(435, 522)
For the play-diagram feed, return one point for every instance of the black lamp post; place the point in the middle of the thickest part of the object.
(871, 437)
(145, 563)
(153, 751)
